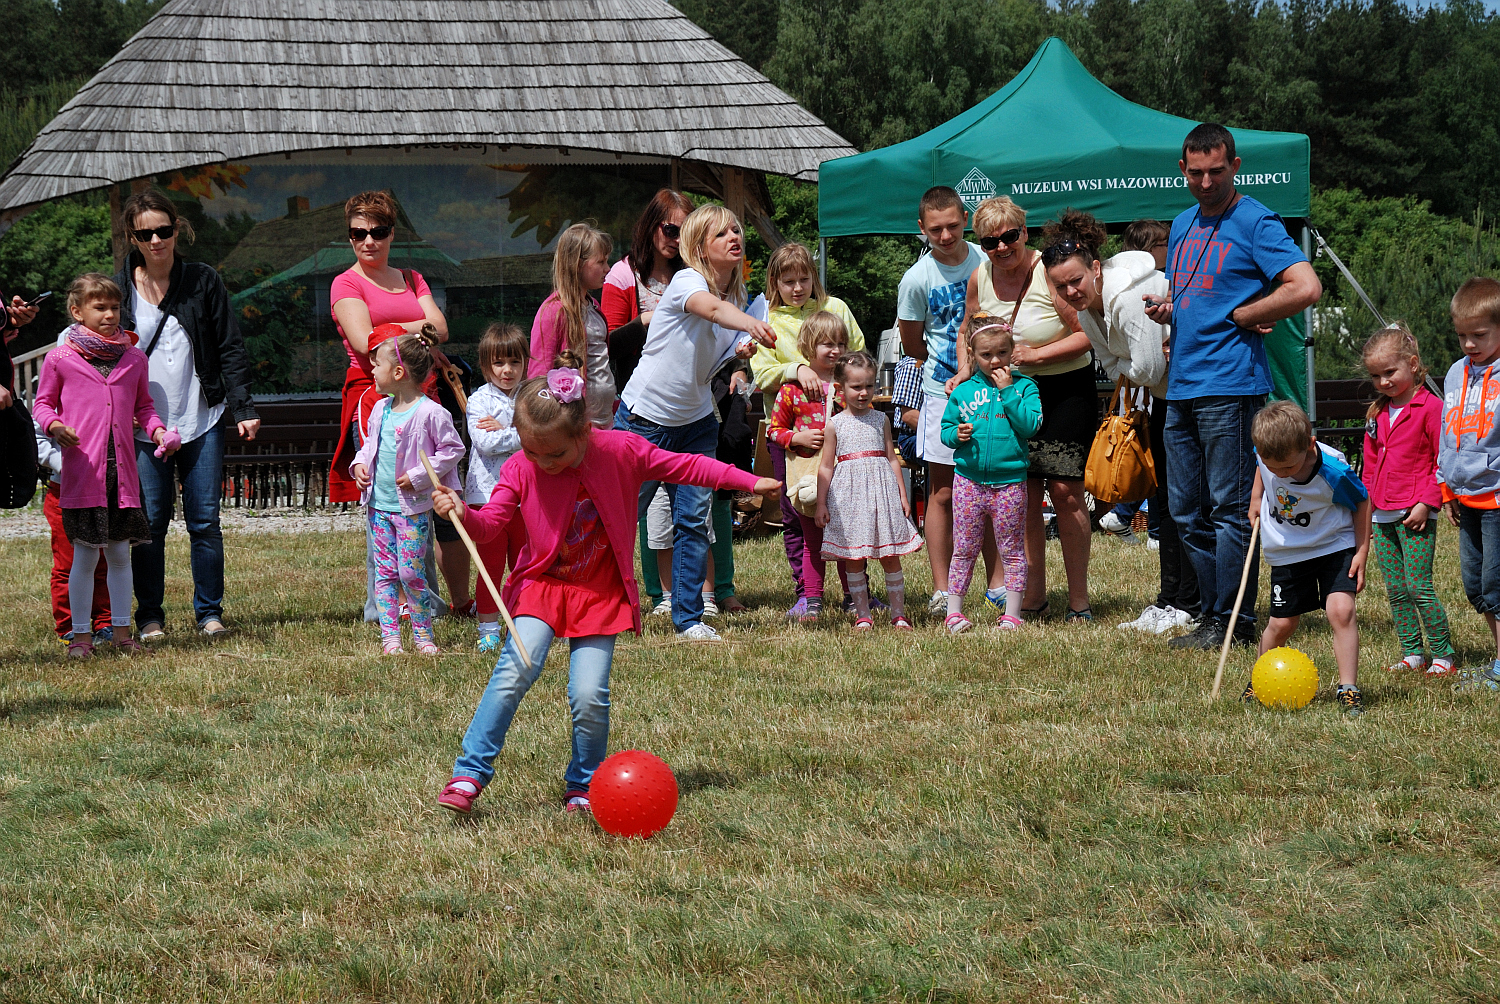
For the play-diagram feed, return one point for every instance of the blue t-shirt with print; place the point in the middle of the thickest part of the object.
(1211, 355)
(933, 293)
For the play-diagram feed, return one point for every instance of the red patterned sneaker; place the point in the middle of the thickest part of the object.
(460, 795)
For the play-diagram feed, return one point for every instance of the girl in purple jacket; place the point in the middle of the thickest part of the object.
(93, 388)
(394, 487)
(1401, 449)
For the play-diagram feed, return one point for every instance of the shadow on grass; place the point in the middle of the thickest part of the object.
(21, 712)
(696, 778)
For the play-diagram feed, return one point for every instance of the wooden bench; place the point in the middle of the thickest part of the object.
(1341, 406)
(287, 463)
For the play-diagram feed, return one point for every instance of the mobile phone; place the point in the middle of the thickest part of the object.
(39, 299)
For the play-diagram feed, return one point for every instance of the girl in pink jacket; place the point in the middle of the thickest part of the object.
(574, 487)
(569, 320)
(1401, 449)
(394, 487)
(93, 391)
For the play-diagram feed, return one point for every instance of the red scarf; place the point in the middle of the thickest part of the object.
(94, 346)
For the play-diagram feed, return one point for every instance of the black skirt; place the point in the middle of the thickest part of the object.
(101, 525)
(1070, 417)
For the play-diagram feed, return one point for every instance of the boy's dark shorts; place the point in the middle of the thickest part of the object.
(1304, 586)
(443, 530)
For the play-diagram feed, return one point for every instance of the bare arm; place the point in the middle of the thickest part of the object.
(430, 315)
(1299, 289)
(825, 474)
(913, 339)
(727, 315)
(1070, 347)
(1256, 491)
(353, 315)
(1361, 545)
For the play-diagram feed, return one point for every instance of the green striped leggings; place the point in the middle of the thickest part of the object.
(1406, 562)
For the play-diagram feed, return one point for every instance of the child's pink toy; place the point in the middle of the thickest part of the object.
(172, 440)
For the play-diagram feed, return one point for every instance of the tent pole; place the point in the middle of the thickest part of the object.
(1307, 334)
(823, 261)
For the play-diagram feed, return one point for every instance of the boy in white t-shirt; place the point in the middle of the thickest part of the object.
(1314, 517)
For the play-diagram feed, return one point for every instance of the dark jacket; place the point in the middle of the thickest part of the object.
(197, 298)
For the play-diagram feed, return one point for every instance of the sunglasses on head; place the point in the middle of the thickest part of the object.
(992, 242)
(357, 234)
(1057, 253)
(671, 231)
(163, 232)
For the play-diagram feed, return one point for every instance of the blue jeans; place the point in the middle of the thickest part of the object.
(199, 465)
(588, 698)
(1479, 557)
(1210, 470)
(691, 509)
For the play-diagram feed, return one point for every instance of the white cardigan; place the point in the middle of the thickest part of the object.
(1129, 342)
(489, 450)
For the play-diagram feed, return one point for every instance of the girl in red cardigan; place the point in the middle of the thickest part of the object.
(1401, 448)
(574, 487)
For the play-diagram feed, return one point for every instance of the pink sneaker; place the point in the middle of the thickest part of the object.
(456, 798)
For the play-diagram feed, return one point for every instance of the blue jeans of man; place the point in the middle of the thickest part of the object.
(691, 509)
(199, 466)
(1210, 470)
(1479, 557)
(588, 699)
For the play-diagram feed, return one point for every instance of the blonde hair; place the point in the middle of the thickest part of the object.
(1397, 339)
(92, 286)
(578, 244)
(997, 329)
(785, 259)
(999, 213)
(1477, 297)
(701, 226)
(819, 329)
(413, 353)
(539, 412)
(1281, 431)
(502, 341)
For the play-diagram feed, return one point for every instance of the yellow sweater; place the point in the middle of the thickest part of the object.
(773, 367)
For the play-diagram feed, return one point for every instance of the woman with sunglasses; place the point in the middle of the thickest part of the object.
(198, 371)
(370, 294)
(1051, 348)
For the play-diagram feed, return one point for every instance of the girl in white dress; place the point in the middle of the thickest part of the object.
(862, 503)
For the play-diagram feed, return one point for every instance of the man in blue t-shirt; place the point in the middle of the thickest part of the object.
(1235, 272)
(930, 311)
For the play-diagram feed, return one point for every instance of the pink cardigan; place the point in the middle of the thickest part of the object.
(71, 391)
(429, 431)
(614, 467)
(1401, 460)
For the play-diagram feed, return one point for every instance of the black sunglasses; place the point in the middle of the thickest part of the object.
(357, 234)
(992, 242)
(1054, 254)
(163, 232)
(671, 231)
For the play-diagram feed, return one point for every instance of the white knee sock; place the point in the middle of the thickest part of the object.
(895, 592)
(121, 584)
(81, 588)
(859, 591)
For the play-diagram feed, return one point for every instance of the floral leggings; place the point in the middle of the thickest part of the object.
(1406, 562)
(1005, 505)
(400, 550)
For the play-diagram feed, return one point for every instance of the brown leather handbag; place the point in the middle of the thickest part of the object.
(1120, 467)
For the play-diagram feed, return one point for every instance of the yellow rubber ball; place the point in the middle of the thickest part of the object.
(1284, 678)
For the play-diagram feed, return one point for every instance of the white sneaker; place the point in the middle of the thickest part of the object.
(1117, 526)
(663, 607)
(1152, 544)
(1147, 621)
(699, 632)
(1171, 618)
(939, 602)
(710, 606)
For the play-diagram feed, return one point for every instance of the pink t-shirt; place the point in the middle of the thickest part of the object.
(385, 307)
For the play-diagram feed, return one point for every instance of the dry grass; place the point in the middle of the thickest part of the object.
(1057, 815)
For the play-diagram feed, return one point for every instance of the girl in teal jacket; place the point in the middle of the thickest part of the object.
(989, 418)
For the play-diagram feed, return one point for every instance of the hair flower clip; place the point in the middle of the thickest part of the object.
(566, 385)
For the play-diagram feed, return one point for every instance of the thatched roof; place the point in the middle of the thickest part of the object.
(208, 81)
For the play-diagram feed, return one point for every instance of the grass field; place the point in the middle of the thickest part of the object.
(1057, 815)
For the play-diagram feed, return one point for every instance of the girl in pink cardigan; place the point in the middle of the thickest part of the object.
(1401, 448)
(574, 487)
(394, 487)
(93, 390)
(569, 320)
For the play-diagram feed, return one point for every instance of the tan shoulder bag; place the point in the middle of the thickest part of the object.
(1120, 467)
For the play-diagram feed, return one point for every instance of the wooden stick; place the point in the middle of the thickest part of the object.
(484, 572)
(1235, 616)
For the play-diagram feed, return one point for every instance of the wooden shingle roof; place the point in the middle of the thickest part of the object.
(207, 81)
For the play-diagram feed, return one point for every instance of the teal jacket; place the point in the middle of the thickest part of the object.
(1003, 421)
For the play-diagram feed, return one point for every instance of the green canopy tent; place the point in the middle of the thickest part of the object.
(1055, 138)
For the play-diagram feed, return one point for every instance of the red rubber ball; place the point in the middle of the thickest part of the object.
(633, 794)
